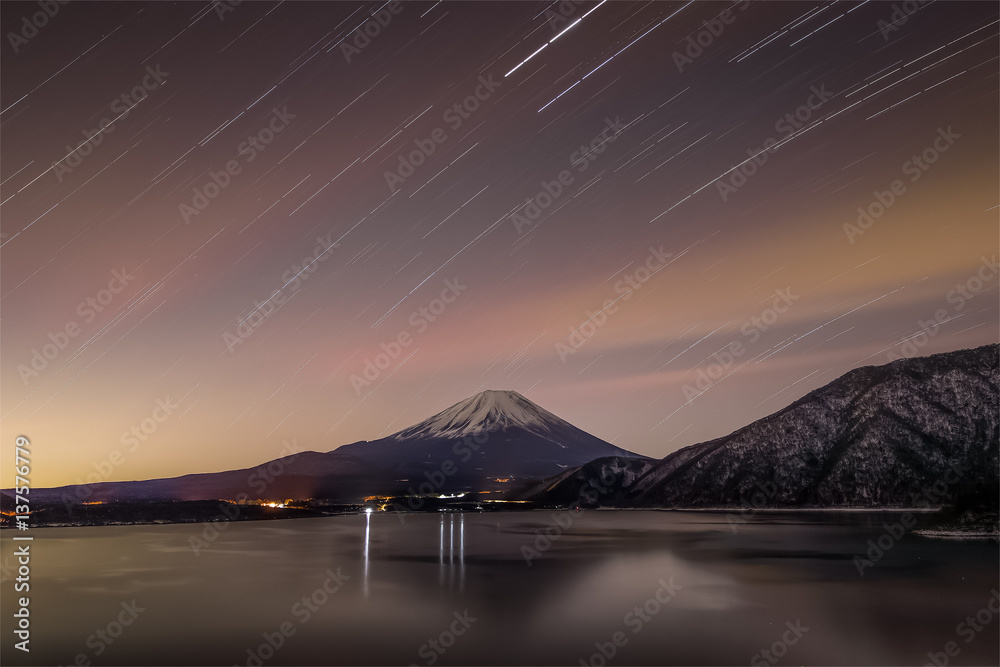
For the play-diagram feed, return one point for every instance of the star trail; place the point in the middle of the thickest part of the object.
(311, 221)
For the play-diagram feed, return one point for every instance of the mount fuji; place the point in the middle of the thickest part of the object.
(487, 441)
(491, 435)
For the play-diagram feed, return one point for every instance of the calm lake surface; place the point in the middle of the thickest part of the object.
(462, 581)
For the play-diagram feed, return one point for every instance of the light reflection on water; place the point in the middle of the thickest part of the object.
(406, 580)
(450, 566)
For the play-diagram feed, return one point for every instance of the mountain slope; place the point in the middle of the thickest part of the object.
(494, 434)
(479, 443)
(488, 411)
(299, 475)
(879, 436)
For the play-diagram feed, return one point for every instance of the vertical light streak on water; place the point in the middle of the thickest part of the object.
(368, 527)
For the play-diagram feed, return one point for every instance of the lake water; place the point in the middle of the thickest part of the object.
(784, 582)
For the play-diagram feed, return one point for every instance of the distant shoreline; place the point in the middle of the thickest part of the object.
(196, 515)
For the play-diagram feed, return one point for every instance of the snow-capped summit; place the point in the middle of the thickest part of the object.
(493, 434)
(488, 411)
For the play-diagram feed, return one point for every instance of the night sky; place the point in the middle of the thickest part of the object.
(277, 198)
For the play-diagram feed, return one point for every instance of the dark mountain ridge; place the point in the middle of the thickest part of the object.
(914, 432)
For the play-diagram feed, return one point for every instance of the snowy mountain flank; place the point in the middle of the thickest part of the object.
(912, 433)
(489, 411)
(494, 434)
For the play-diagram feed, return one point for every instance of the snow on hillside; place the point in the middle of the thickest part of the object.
(487, 411)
